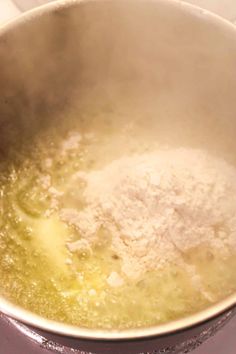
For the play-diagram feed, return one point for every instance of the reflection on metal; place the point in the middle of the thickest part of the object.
(182, 348)
(192, 344)
(43, 342)
(226, 8)
(25, 5)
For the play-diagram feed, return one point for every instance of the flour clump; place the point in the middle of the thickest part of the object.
(157, 206)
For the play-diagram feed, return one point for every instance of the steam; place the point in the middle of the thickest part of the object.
(154, 62)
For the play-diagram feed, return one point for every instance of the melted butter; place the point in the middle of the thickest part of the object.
(38, 272)
(51, 236)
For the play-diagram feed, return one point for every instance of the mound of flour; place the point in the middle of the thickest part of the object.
(157, 206)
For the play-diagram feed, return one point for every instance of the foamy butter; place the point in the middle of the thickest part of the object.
(90, 245)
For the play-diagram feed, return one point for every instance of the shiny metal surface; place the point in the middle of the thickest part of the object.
(16, 338)
(182, 348)
(61, 19)
(225, 8)
(25, 5)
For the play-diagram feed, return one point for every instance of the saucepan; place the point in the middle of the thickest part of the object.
(172, 61)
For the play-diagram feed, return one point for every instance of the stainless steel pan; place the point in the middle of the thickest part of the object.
(174, 58)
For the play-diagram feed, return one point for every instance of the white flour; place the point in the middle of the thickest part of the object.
(157, 206)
